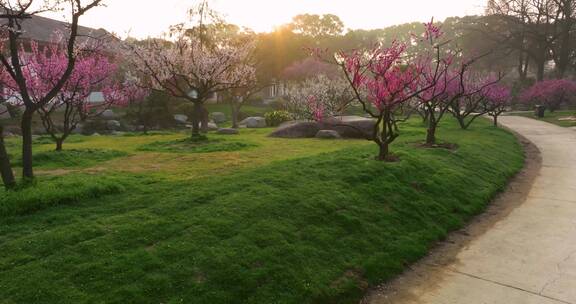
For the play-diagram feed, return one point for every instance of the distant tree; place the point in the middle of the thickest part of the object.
(498, 99)
(135, 95)
(318, 97)
(150, 110)
(308, 68)
(551, 93)
(476, 88)
(317, 26)
(540, 30)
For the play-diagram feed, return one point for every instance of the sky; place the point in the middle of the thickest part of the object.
(148, 18)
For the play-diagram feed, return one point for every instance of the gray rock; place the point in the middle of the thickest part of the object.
(297, 129)
(113, 125)
(12, 129)
(108, 114)
(79, 129)
(347, 126)
(212, 126)
(181, 118)
(228, 131)
(328, 134)
(96, 134)
(4, 114)
(39, 131)
(351, 126)
(118, 133)
(254, 122)
(218, 117)
(8, 134)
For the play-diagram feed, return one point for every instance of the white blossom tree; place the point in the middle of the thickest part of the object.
(197, 64)
(318, 97)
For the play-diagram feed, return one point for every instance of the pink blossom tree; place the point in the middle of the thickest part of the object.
(550, 93)
(133, 93)
(382, 81)
(498, 99)
(470, 105)
(441, 81)
(92, 72)
(385, 79)
(194, 67)
(13, 61)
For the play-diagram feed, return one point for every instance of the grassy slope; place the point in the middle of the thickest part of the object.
(553, 117)
(299, 228)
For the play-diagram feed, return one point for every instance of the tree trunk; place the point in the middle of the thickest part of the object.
(431, 133)
(27, 164)
(204, 119)
(495, 120)
(461, 122)
(196, 116)
(540, 70)
(384, 151)
(5, 166)
(235, 114)
(59, 144)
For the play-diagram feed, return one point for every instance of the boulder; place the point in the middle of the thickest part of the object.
(8, 134)
(79, 129)
(4, 114)
(181, 118)
(254, 122)
(113, 125)
(351, 126)
(297, 129)
(228, 131)
(108, 114)
(218, 117)
(346, 126)
(328, 134)
(212, 126)
(39, 131)
(12, 129)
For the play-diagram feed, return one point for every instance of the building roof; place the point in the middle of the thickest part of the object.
(41, 29)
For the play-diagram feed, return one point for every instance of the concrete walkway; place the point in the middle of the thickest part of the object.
(529, 257)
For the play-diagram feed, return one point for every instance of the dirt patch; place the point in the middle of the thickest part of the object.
(571, 118)
(428, 273)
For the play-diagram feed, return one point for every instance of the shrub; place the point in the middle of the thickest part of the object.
(276, 118)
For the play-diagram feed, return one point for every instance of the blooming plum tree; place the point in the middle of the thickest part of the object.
(13, 61)
(193, 67)
(476, 89)
(93, 71)
(318, 97)
(550, 93)
(498, 98)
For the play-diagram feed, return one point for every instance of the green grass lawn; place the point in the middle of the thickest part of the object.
(285, 221)
(554, 117)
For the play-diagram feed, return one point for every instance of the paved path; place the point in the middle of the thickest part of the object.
(530, 256)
